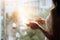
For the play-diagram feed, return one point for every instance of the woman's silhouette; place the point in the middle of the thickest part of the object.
(53, 23)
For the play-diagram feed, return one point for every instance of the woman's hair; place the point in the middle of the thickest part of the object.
(55, 13)
(56, 2)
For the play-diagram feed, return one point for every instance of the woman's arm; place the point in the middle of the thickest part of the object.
(45, 32)
(36, 25)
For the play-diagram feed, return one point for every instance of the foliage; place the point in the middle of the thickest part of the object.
(36, 34)
(33, 35)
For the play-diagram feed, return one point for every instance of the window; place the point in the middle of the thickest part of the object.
(18, 12)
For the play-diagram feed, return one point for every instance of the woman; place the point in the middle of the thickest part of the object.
(53, 23)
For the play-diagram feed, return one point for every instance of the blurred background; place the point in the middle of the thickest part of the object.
(14, 15)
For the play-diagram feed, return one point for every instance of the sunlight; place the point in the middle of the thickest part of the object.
(14, 24)
(24, 19)
(22, 28)
(19, 13)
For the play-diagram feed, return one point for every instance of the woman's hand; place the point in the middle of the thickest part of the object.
(33, 25)
(40, 21)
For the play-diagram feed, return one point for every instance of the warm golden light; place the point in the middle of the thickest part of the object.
(24, 19)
